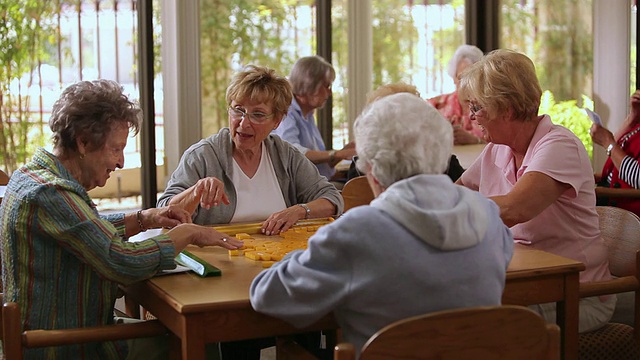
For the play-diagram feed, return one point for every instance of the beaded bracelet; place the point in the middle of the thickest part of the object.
(139, 218)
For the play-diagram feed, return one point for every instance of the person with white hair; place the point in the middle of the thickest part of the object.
(454, 108)
(424, 244)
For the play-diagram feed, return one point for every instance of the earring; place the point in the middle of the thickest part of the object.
(81, 156)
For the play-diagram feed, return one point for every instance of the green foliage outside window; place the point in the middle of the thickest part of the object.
(26, 33)
(568, 114)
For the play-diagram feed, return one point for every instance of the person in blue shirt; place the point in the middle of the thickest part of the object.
(311, 78)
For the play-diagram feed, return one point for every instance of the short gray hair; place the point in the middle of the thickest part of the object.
(402, 135)
(469, 53)
(309, 73)
(90, 109)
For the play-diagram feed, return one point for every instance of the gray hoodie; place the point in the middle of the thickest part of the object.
(424, 245)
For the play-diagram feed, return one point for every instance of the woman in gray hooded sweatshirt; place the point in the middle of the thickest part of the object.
(423, 245)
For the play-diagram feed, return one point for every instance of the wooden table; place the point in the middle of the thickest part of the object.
(202, 310)
(467, 154)
(536, 277)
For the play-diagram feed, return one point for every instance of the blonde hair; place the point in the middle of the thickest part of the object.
(504, 81)
(261, 84)
(389, 89)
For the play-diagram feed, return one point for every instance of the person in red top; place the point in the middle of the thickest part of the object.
(465, 131)
(621, 170)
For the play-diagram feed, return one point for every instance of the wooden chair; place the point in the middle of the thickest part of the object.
(621, 232)
(494, 332)
(616, 193)
(16, 340)
(356, 192)
(4, 180)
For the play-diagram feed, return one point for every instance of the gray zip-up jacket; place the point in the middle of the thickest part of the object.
(299, 179)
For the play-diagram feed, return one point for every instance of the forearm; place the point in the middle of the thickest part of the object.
(184, 200)
(321, 208)
(512, 213)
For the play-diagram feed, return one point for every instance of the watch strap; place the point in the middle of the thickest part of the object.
(610, 148)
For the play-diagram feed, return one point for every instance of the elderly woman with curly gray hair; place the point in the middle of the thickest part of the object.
(62, 261)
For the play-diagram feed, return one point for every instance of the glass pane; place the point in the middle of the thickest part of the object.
(558, 36)
(70, 41)
(412, 42)
(235, 33)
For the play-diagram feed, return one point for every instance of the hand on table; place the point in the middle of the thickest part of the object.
(283, 220)
(201, 236)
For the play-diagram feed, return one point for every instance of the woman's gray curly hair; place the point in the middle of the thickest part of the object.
(89, 109)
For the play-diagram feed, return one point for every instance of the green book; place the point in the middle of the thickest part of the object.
(197, 265)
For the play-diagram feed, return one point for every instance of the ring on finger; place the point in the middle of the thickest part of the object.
(224, 239)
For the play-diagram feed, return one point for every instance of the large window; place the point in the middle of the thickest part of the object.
(413, 42)
(558, 36)
(235, 33)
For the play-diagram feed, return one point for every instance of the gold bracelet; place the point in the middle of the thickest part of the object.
(139, 218)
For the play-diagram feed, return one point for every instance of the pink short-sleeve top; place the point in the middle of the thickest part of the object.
(570, 226)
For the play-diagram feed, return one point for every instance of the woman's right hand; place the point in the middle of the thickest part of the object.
(601, 135)
(206, 192)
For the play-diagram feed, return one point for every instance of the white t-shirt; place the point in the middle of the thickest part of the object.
(259, 196)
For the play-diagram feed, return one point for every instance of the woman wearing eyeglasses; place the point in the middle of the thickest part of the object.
(244, 174)
(538, 173)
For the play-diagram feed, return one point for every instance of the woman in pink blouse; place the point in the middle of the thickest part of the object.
(465, 131)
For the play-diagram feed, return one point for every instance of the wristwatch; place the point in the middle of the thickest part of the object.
(609, 148)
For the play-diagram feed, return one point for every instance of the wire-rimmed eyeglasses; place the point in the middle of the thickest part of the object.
(257, 117)
(474, 109)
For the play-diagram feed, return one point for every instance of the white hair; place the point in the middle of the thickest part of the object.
(400, 136)
(469, 53)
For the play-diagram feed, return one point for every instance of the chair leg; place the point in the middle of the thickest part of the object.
(12, 328)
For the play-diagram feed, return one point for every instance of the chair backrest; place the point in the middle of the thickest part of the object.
(494, 332)
(15, 340)
(4, 178)
(621, 232)
(356, 192)
(620, 229)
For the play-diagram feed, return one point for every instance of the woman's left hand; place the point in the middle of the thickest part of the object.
(164, 217)
(283, 220)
